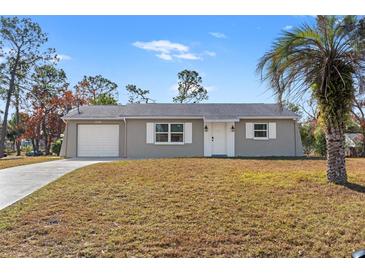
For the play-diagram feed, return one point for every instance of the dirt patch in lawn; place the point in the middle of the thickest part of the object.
(190, 208)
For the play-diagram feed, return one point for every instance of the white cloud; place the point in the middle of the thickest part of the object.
(169, 51)
(188, 56)
(163, 46)
(63, 57)
(218, 35)
(164, 56)
(288, 27)
(210, 53)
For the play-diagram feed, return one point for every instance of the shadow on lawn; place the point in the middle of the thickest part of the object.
(278, 158)
(354, 187)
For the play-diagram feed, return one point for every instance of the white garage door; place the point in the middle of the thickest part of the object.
(98, 141)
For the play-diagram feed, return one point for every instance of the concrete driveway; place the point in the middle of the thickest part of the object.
(18, 182)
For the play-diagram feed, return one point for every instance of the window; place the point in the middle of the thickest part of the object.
(169, 133)
(177, 133)
(260, 131)
(162, 133)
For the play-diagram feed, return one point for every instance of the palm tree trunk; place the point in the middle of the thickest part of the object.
(336, 163)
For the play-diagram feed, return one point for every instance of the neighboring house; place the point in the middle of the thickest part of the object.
(181, 130)
(353, 144)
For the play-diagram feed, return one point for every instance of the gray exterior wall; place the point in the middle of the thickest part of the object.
(287, 142)
(69, 145)
(138, 148)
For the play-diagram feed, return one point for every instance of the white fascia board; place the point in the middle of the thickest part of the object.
(268, 117)
(183, 117)
(91, 119)
(221, 120)
(164, 117)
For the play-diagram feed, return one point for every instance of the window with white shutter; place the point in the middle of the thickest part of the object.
(272, 130)
(188, 133)
(249, 130)
(149, 133)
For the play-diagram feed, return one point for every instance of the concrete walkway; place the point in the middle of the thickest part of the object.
(18, 182)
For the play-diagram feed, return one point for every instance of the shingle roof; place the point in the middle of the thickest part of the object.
(207, 111)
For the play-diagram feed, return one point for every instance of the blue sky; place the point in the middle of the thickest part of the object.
(149, 51)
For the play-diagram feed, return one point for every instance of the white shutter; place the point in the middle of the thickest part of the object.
(188, 131)
(272, 130)
(249, 130)
(149, 133)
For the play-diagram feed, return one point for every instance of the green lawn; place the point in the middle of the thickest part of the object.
(191, 208)
(23, 160)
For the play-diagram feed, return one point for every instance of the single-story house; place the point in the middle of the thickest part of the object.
(181, 130)
(353, 144)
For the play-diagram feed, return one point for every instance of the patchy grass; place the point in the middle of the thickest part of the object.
(23, 160)
(191, 208)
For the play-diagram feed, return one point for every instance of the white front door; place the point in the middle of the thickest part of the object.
(219, 146)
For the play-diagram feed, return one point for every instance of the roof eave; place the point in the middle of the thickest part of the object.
(182, 117)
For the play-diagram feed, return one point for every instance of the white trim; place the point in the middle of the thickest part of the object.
(229, 139)
(272, 130)
(150, 133)
(186, 117)
(221, 121)
(260, 138)
(164, 117)
(188, 133)
(249, 130)
(168, 144)
(92, 119)
(267, 117)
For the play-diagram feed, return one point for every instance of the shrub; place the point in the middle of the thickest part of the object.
(320, 147)
(56, 147)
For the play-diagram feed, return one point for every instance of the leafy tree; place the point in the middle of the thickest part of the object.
(138, 95)
(190, 88)
(320, 143)
(321, 59)
(23, 39)
(91, 87)
(16, 127)
(307, 137)
(49, 84)
(104, 99)
(33, 128)
(48, 117)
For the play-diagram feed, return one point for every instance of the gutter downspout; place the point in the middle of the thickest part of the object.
(65, 138)
(125, 138)
(295, 137)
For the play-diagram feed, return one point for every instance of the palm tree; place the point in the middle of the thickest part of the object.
(322, 60)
